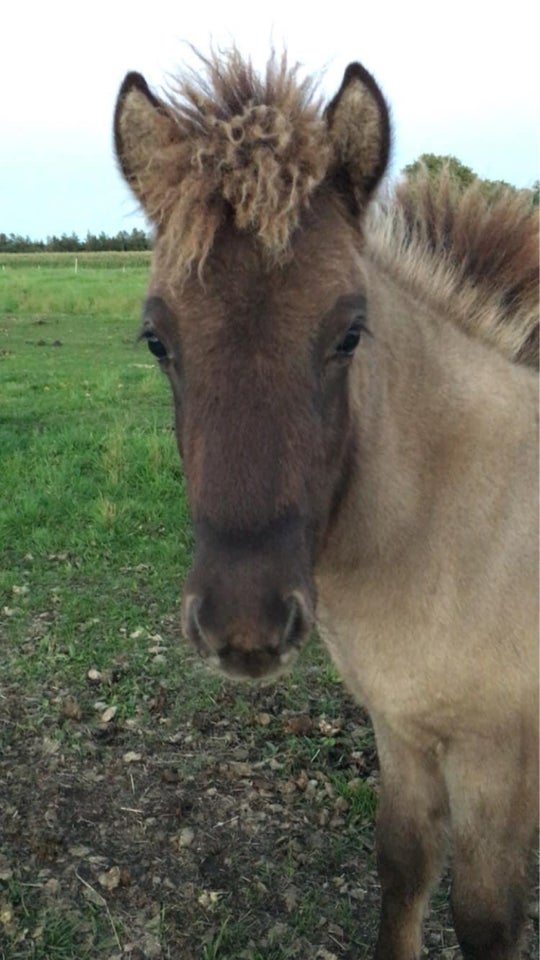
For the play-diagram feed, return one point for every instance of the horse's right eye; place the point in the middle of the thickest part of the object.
(348, 345)
(350, 341)
(156, 346)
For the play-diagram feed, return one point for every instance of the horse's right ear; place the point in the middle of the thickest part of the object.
(142, 123)
(359, 129)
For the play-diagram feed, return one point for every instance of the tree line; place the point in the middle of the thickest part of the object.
(71, 243)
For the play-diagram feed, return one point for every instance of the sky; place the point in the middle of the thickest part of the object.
(461, 78)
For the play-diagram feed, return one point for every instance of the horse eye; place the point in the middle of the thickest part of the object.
(351, 339)
(156, 346)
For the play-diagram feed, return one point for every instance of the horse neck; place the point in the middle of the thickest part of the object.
(437, 418)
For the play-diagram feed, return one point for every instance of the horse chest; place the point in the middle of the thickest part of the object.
(395, 664)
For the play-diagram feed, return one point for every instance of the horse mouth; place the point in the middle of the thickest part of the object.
(258, 665)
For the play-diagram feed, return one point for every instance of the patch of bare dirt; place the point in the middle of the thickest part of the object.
(224, 839)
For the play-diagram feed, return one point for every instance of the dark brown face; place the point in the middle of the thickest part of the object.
(259, 364)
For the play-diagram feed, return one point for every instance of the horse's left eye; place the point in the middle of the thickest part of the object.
(351, 339)
(156, 346)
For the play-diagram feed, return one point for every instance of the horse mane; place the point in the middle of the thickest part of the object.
(474, 254)
(244, 146)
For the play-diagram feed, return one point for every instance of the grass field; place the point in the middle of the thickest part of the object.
(75, 261)
(148, 809)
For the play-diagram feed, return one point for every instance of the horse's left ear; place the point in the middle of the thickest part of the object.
(142, 124)
(359, 128)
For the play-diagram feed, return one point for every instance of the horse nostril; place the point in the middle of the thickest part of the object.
(217, 635)
(298, 622)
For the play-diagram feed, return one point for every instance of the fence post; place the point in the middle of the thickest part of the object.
(76, 264)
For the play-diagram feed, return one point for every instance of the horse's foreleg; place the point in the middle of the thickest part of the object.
(411, 830)
(493, 799)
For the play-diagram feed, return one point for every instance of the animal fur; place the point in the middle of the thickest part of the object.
(228, 144)
(357, 415)
(476, 258)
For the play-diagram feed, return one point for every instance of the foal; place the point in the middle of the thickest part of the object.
(356, 406)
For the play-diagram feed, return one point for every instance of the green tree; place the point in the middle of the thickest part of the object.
(462, 174)
(70, 243)
(435, 164)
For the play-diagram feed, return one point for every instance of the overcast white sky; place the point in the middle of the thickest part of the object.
(461, 78)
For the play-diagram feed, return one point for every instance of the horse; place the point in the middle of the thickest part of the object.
(354, 384)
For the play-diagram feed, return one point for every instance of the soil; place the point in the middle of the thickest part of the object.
(215, 840)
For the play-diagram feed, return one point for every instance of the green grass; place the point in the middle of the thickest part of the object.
(93, 516)
(59, 934)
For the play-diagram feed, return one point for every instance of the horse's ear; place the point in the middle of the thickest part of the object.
(142, 123)
(359, 128)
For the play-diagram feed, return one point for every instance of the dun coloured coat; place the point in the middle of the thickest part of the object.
(356, 404)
